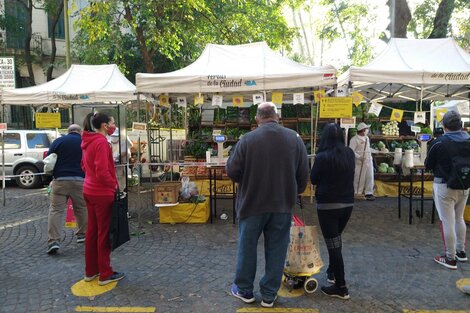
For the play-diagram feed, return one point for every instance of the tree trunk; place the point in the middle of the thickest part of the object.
(55, 19)
(441, 20)
(29, 33)
(139, 33)
(402, 18)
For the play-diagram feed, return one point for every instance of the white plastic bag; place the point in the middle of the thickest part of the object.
(188, 188)
(49, 163)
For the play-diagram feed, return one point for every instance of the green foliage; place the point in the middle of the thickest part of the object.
(168, 35)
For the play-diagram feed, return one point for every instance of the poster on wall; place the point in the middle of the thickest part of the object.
(335, 107)
(298, 98)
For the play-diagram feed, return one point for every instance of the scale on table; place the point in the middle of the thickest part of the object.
(218, 138)
(423, 141)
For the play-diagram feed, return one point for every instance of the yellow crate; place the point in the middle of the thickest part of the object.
(185, 213)
(466, 214)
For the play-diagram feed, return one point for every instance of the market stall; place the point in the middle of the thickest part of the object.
(416, 71)
(221, 89)
(83, 88)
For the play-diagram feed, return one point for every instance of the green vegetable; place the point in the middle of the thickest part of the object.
(391, 170)
(380, 145)
(384, 165)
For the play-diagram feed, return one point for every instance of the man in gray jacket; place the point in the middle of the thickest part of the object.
(271, 168)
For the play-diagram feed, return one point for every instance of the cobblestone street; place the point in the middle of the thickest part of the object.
(190, 267)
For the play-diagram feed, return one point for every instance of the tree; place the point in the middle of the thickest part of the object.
(54, 8)
(170, 34)
(28, 6)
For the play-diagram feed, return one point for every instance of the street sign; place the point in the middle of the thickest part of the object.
(7, 73)
(3, 127)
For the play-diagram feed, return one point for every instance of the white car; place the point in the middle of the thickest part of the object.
(24, 152)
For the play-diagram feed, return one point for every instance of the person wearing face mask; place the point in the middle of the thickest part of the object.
(98, 190)
(364, 171)
(121, 153)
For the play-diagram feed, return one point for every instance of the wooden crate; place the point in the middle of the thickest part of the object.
(166, 192)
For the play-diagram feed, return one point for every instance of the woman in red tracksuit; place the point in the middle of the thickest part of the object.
(98, 190)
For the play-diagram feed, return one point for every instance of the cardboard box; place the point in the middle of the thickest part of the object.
(166, 192)
(185, 213)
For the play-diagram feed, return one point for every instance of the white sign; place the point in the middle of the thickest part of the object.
(298, 98)
(415, 129)
(463, 108)
(420, 117)
(181, 101)
(375, 108)
(139, 126)
(342, 91)
(217, 100)
(216, 132)
(7, 73)
(258, 98)
(348, 122)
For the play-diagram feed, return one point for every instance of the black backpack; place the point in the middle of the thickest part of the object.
(459, 176)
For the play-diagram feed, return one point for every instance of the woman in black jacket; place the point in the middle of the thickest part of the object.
(333, 175)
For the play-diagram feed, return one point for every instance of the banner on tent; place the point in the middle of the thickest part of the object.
(335, 107)
(55, 96)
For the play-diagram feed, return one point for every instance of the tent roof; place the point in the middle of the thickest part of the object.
(240, 68)
(80, 84)
(440, 66)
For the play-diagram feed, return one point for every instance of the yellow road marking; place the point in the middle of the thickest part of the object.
(277, 310)
(126, 309)
(91, 289)
(461, 283)
(436, 311)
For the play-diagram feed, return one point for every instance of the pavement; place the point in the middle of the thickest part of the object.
(190, 267)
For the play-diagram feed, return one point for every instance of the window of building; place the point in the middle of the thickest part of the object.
(15, 14)
(59, 28)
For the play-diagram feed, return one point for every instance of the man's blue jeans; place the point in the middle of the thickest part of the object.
(276, 230)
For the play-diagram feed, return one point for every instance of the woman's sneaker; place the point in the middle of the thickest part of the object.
(90, 278)
(446, 262)
(114, 277)
(461, 256)
(337, 292)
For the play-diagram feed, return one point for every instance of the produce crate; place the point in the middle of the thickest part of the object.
(185, 213)
(166, 192)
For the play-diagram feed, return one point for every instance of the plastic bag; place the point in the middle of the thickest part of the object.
(188, 188)
(49, 163)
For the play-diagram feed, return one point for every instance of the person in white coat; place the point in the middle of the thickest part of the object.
(364, 170)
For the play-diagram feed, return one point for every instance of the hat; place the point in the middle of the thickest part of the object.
(452, 120)
(362, 126)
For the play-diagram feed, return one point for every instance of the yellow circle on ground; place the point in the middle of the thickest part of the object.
(91, 288)
(284, 292)
(464, 282)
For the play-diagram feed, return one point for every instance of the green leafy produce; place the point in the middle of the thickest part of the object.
(383, 168)
(395, 144)
(391, 170)
(380, 145)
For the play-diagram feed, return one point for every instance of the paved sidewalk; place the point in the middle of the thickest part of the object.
(189, 268)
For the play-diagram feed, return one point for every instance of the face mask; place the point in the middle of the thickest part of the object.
(110, 130)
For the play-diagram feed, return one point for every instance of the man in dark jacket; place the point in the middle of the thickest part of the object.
(450, 203)
(67, 183)
(271, 168)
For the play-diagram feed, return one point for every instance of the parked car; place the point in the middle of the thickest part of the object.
(24, 152)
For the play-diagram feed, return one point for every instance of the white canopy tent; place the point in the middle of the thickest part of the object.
(413, 69)
(240, 68)
(80, 84)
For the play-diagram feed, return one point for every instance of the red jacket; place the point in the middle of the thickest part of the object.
(98, 165)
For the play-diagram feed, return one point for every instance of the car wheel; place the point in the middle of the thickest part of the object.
(27, 179)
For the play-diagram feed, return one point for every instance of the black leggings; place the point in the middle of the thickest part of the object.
(332, 223)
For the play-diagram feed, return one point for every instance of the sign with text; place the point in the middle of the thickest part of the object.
(298, 98)
(258, 98)
(375, 108)
(7, 73)
(139, 126)
(181, 101)
(217, 100)
(335, 107)
(420, 117)
(348, 122)
(47, 120)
